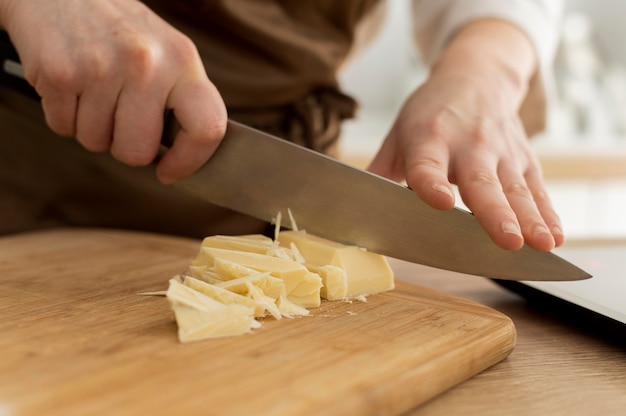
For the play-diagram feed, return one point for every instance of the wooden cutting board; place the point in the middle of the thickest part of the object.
(76, 338)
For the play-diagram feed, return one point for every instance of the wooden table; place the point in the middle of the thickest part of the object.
(559, 366)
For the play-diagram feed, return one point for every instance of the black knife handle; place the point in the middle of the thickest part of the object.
(12, 76)
(11, 70)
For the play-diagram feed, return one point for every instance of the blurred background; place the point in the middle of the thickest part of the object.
(582, 151)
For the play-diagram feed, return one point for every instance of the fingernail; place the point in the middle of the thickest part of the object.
(556, 230)
(442, 188)
(540, 229)
(511, 228)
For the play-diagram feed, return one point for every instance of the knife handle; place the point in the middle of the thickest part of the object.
(170, 128)
(12, 76)
(11, 70)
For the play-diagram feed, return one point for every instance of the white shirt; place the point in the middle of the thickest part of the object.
(436, 22)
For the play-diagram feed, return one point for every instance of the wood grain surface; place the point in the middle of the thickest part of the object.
(77, 339)
(563, 363)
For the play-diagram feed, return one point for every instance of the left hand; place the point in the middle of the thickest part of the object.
(462, 127)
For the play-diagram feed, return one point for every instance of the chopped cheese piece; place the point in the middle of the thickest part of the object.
(366, 273)
(203, 273)
(228, 297)
(195, 325)
(334, 280)
(230, 270)
(271, 287)
(198, 316)
(289, 309)
(248, 289)
(302, 286)
(252, 243)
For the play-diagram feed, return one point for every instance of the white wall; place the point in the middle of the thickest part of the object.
(609, 27)
(380, 78)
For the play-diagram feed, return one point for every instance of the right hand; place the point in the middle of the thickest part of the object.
(462, 127)
(107, 70)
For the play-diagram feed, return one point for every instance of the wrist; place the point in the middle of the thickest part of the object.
(491, 51)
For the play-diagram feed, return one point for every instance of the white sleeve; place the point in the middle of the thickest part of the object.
(436, 21)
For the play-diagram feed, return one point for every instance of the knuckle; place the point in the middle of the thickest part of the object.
(141, 56)
(137, 52)
(421, 168)
(210, 131)
(55, 76)
(481, 133)
(184, 48)
(427, 162)
(134, 157)
(541, 197)
(517, 189)
(437, 125)
(485, 178)
(70, 74)
(97, 67)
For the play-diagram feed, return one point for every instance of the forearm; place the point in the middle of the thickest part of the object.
(491, 50)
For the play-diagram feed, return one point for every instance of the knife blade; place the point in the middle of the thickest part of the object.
(260, 175)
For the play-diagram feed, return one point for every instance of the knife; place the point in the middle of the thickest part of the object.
(260, 175)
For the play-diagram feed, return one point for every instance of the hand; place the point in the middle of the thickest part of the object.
(107, 70)
(461, 127)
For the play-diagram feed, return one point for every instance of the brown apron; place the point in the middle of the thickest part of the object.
(275, 63)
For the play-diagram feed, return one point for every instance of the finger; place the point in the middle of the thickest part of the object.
(201, 113)
(137, 126)
(537, 187)
(96, 118)
(534, 229)
(427, 172)
(481, 191)
(386, 162)
(55, 84)
(60, 112)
